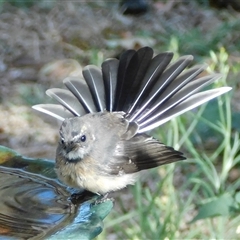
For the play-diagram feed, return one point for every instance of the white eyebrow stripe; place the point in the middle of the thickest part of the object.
(77, 136)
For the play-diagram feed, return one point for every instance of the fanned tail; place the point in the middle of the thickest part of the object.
(150, 91)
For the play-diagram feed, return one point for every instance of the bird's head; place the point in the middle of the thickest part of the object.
(76, 139)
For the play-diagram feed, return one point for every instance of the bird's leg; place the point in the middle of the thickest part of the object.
(103, 198)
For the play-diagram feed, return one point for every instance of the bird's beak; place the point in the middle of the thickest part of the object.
(70, 147)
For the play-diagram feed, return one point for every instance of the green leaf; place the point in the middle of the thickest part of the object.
(237, 197)
(220, 206)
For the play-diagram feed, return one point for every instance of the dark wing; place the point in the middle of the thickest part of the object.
(141, 152)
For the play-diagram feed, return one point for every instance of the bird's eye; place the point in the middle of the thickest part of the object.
(83, 138)
(62, 141)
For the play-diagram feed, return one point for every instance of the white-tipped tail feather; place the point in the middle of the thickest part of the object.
(150, 91)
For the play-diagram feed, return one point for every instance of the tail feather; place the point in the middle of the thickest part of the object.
(67, 99)
(54, 110)
(190, 103)
(135, 72)
(155, 69)
(81, 91)
(150, 91)
(160, 106)
(165, 79)
(121, 76)
(179, 83)
(94, 79)
(109, 72)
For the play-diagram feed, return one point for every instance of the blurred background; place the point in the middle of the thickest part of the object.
(44, 41)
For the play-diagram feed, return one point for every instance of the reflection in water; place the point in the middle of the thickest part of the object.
(31, 206)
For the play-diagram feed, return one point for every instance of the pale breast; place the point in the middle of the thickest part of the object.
(91, 179)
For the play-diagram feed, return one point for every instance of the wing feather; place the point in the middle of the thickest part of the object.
(141, 152)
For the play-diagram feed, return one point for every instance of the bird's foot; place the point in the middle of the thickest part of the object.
(103, 198)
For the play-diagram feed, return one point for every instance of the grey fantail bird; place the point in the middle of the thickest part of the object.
(103, 145)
